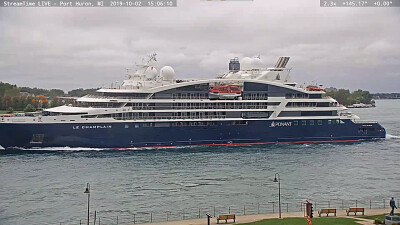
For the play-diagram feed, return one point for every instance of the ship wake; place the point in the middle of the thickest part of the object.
(389, 136)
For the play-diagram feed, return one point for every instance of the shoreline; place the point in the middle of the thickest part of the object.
(240, 219)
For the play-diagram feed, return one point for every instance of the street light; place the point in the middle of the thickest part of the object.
(279, 187)
(87, 191)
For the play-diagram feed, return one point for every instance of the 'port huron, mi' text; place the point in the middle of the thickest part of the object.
(76, 4)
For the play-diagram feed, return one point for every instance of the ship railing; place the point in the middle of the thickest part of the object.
(171, 118)
(194, 108)
(145, 96)
(309, 106)
(115, 98)
(364, 121)
(141, 216)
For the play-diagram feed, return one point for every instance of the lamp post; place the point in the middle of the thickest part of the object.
(87, 191)
(278, 179)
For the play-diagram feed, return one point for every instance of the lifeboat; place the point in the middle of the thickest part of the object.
(225, 92)
(314, 88)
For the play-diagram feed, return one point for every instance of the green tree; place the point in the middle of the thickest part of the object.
(55, 102)
(10, 110)
(82, 92)
(5, 87)
(18, 103)
(12, 92)
(56, 93)
(29, 108)
(344, 96)
(340, 95)
(7, 102)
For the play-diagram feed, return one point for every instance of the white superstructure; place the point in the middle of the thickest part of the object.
(151, 96)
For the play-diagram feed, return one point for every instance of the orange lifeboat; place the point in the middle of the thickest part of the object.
(314, 88)
(226, 89)
(225, 92)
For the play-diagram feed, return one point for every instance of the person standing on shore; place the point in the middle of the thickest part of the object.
(393, 205)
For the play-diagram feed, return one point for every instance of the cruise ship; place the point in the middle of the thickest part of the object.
(250, 104)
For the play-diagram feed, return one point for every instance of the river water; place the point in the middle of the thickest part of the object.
(46, 186)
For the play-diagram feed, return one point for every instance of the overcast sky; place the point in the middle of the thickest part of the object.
(69, 48)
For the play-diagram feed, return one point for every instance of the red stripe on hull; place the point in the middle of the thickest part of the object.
(304, 142)
(252, 143)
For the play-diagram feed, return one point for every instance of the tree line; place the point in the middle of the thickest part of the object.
(345, 97)
(13, 98)
(386, 96)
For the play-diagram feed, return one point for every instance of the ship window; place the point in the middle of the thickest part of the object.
(126, 125)
(136, 125)
(37, 138)
(329, 121)
(337, 121)
(341, 122)
(304, 122)
(311, 122)
(296, 123)
(319, 122)
(363, 131)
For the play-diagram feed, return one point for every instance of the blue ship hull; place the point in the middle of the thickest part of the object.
(137, 134)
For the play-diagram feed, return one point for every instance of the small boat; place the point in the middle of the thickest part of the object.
(361, 105)
(314, 88)
(225, 92)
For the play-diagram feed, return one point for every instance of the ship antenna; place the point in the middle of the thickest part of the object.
(152, 57)
(127, 73)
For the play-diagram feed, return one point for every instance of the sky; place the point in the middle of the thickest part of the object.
(69, 48)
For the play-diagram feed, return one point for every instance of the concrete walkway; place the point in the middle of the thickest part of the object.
(365, 221)
(258, 217)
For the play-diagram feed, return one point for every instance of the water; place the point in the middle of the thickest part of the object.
(46, 186)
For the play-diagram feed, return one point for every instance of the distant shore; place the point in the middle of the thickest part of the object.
(379, 96)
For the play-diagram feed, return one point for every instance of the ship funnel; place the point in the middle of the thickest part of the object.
(282, 61)
(234, 65)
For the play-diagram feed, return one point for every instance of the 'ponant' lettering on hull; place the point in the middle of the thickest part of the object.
(281, 124)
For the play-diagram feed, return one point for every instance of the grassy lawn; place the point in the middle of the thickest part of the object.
(381, 217)
(301, 221)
